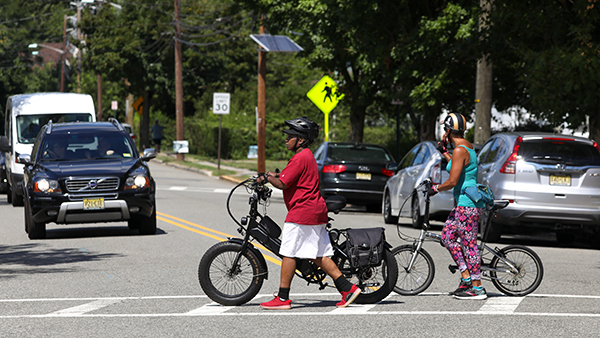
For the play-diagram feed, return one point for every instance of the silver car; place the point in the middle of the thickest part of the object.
(552, 182)
(421, 162)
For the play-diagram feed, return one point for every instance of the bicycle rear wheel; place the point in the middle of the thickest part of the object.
(419, 277)
(524, 278)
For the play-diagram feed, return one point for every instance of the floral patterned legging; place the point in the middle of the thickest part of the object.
(463, 223)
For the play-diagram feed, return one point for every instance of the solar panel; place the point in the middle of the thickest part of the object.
(276, 43)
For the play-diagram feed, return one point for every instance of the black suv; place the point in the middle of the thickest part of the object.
(87, 172)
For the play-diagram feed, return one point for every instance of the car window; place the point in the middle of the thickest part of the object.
(408, 158)
(558, 151)
(340, 152)
(495, 150)
(28, 126)
(484, 152)
(319, 154)
(422, 155)
(79, 146)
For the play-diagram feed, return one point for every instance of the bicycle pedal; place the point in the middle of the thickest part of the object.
(452, 268)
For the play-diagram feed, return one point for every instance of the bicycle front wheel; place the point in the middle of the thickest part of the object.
(419, 277)
(523, 277)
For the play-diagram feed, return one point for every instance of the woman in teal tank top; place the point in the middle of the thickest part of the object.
(459, 235)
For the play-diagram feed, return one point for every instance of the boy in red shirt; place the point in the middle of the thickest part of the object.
(304, 233)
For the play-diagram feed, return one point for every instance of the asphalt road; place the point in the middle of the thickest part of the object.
(104, 280)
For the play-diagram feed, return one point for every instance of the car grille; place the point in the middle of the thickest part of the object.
(93, 184)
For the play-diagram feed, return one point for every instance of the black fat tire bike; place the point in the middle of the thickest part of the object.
(515, 270)
(232, 272)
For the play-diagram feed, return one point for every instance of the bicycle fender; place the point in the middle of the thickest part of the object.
(251, 247)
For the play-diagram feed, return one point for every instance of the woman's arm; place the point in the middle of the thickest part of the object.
(459, 158)
(272, 178)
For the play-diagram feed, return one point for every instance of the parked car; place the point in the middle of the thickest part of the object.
(421, 162)
(87, 172)
(129, 130)
(3, 182)
(356, 171)
(551, 181)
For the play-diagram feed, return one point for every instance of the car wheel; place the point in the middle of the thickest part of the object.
(35, 230)
(17, 201)
(147, 225)
(26, 218)
(417, 219)
(388, 218)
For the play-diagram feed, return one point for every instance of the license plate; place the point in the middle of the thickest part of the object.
(363, 176)
(560, 180)
(93, 203)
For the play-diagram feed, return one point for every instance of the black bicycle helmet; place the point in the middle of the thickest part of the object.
(455, 121)
(304, 128)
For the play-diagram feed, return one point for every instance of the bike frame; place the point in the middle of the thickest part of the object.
(418, 243)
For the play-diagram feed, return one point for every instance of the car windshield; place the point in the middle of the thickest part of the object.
(83, 146)
(354, 152)
(555, 151)
(28, 126)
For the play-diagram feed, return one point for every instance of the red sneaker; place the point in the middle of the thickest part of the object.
(277, 304)
(349, 297)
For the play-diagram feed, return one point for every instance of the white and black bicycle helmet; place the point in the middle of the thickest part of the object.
(304, 128)
(455, 121)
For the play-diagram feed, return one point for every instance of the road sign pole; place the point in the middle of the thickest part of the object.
(326, 127)
(219, 147)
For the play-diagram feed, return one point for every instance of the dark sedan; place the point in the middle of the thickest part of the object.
(87, 172)
(356, 171)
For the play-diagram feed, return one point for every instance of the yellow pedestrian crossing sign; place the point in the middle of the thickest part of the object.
(325, 94)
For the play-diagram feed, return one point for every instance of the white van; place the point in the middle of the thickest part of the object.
(25, 116)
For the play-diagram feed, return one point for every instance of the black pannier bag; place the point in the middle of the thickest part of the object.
(365, 247)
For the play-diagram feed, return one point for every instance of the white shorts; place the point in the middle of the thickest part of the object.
(305, 241)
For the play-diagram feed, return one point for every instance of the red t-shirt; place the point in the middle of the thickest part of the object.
(302, 198)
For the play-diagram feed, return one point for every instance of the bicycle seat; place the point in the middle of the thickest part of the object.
(335, 203)
(500, 204)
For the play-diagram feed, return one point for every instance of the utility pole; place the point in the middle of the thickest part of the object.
(262, 106)
(99, 97)
(62, 68)
(178, 79)
(483, 87)
(79, 51)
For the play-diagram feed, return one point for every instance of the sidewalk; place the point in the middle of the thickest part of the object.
(240, 173)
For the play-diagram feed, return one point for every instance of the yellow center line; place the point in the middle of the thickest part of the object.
(220, 239)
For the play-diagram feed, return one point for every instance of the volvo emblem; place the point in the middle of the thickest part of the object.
(93, 184)
(560, 166)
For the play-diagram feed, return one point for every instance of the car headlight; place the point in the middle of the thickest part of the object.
(47, 186)
(137, 182)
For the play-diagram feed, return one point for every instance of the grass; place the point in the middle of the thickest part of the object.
(250, 164)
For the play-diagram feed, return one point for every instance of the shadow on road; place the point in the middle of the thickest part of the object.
(94, 231)
(36, 258)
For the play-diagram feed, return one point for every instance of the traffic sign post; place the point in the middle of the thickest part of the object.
(220, 107)
(326, 96)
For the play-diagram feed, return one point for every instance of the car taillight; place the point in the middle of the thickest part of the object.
(436, 173)
(509, 167)
(596, 146)
(386, 172)
(334, 168)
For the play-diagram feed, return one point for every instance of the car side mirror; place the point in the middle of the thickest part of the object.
(4, 145)
(392, 167)
(149, 153)
(24, 159)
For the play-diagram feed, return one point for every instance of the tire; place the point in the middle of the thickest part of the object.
(17, 201)
(34, 230)
(417, 219)
(523, 281)
(376, 283)
(147, 225)
(420, 277)
(388, 218)
(226, 284)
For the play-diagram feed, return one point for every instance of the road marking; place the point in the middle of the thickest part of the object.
(178, 188)
(85, 308)
(210, 309)
(500, 305)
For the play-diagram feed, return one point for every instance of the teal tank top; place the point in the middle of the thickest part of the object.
(468, 178)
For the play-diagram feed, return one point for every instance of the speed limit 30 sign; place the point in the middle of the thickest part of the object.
(221, 103)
